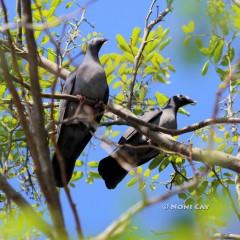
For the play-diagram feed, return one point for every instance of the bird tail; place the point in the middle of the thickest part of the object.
(111, 172)
(58, 174)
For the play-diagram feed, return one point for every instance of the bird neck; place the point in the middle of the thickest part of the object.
(92, 54)
(171, 106)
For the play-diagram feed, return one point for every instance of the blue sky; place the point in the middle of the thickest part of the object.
(98, 206)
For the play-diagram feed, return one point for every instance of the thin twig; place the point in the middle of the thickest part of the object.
(19, 18)
(226, 236)
(147, 30)
(187, 129)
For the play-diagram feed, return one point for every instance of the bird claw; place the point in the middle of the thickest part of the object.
(81, 98)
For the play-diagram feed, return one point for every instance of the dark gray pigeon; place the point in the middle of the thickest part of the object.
(88, 81)
(114, 167)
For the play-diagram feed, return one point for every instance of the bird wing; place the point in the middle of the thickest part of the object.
(67, 89)
(148, 116)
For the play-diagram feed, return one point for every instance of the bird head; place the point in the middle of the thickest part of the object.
(96, 43)
(181, 100)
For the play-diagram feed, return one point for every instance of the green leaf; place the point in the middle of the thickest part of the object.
(203, 186)
(178, 160)
(79, 163)
(183, 111)
(231, 53)
(189, 28)
(199, 42)
(45, 39)
(187, 40)
(123, 43)
(163, 164)
(205, 68)
(155, 162)
(90, 179)
(221, 147)
(94, 174)
(132, 182)
(152, 186)
(229, 150)
(161, 99)
(128, 57)
(164, 44)
(218, 139)
(218, 52)
(45, 83)
(139, 170)
(68, 5)
(221, 73)
(235, 138)
(135, 36)
(156, 176)
(205, 51)
(150, 47)
(182, 195)
(115, 133)
(53, 7)
(77, 175)
(147, 172)
(2, 89)
(93, 164)
(171, 68)
(236, 16)
(228, 174)
(189, 201)
(117, 84)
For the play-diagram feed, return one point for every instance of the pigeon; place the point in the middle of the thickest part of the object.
(115, 167)
(78, 119)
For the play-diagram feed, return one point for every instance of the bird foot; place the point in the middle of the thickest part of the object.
(81, 98)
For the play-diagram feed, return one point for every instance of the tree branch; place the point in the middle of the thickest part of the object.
(187, 129)
(19, 17)
(190, 128)
(225, 236)
(168, 144)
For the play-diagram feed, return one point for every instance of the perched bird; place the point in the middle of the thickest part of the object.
(87, 82)
(116, 166)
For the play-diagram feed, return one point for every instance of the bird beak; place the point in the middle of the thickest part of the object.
(104, 40)
(192, 102)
